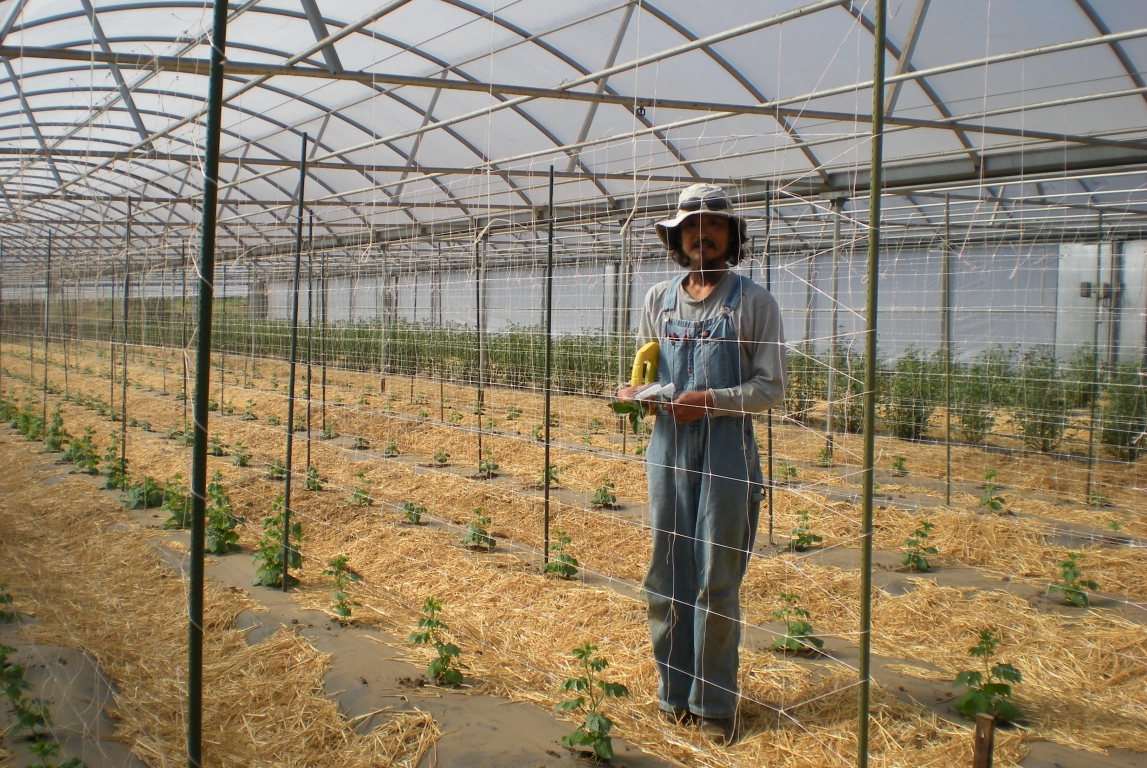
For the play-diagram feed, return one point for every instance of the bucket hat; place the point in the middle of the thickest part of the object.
(694, 200)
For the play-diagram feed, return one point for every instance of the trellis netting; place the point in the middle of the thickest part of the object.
(423, 236)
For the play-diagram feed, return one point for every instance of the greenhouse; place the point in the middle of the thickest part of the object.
(335, 438)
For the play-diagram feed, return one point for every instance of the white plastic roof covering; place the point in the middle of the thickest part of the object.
(78, 138)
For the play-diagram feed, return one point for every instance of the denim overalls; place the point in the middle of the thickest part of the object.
(704, 500)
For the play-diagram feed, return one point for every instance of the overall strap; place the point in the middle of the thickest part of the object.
(669, 300)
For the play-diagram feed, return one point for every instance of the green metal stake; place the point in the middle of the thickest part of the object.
(47, 317)
(871, 303)
(549, 365)
(946, 297)
(292, 360)
(1094, 362)
(769, 287)
(203, 384)
(123, 337)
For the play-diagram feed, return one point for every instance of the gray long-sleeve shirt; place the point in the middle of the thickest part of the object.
(761, 341)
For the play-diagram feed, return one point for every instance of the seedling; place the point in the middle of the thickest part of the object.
(635, 412)
(441, 457)
(114, 465)
(414, 512)
(228, 408)
(221, 537)
(1071, 585)
(477, 536)
(364, 400)
(455, 416)
(241, 454)
(802, 537)
(487, 466)
(604, 497)
(56, 436)
(916, 547)
(343, 575)
(82, 453)
(144, 494)
(422, 414)
(445, 669)
(177, 503)
(898, 467)
(549, 476)
(212, 406)
(786, 471)
(561, 563)
(798, 636)
(216, 447)
(536, 432)
(1098, 500)
(145, 426)
(314, 481)
(587, 438)
(274, 381)
(591, 695)
(1114, 525)
(360, 496)
(595, 424)
(249, 412)
(7, 615)
(269, 551)
(984, 695)
(391, 449)
(823, 458)
(990, 498)
(360, 443)
(277, 471)
(329, 433)
(513, 412)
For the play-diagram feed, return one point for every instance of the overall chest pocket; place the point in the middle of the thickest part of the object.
(715, 361)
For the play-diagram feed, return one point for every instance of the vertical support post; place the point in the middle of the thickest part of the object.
(983, 741)
(1094, 362)
(111, 343)
(291, 365)
(203, 384)
(769, 287)
(3, 319)
(183, 332)
(833, 362)
(224, 334)
(310, 319)
(323, 338)
(946, 340)
(622, 302)
(123, 338)
(47, 319)
(478, 329)
(880, 11)
(549, 369)
(166, 314)
(383, 324)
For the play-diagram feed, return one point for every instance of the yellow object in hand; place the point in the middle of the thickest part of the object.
(645, 365)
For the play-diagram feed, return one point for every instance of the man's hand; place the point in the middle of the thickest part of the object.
(690, 406)
(625, 394)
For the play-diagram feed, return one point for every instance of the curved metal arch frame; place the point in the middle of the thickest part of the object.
(484, 16)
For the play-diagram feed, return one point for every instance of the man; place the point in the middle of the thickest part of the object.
(722, 346)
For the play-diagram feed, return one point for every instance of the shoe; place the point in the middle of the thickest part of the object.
(720, 730)
(678, 716)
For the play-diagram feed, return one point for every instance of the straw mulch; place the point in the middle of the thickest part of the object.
(1089, 659)
(90, 583)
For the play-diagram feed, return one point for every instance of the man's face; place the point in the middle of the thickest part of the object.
(705, 240)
